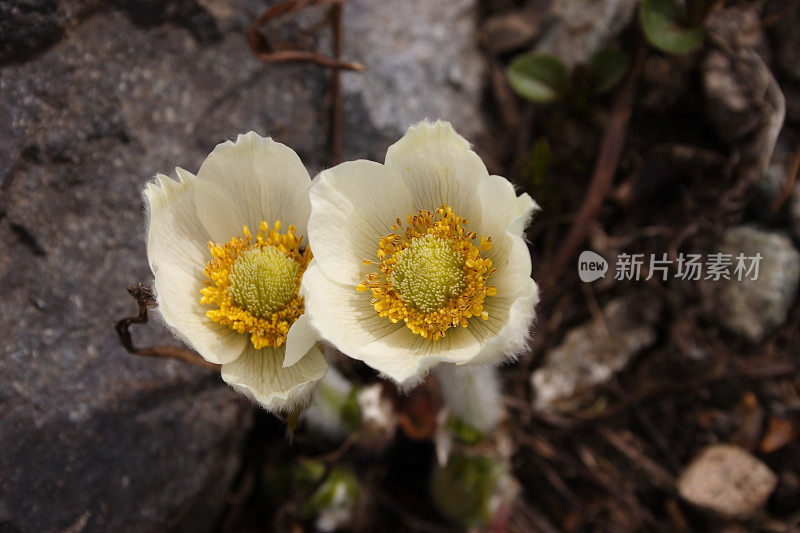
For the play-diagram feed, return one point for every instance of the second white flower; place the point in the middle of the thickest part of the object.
(421, 260)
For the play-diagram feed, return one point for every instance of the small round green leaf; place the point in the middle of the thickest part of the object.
(607, 67)
(537, 77)
(663, 28)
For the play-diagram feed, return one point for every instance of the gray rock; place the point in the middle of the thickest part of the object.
(591, 353)
(729, 97)
(155, 454)
(92, 437)
(89, 432)
(727, 480)
(424, 54)
(737, 28)
(743, 99)
(752, 308)
(28, 26)
(584, 26)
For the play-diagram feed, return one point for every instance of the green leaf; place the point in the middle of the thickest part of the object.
(607, 67)
(663, 28)
(537, 77)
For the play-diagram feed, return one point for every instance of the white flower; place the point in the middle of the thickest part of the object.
(229, 293)
(420, 260)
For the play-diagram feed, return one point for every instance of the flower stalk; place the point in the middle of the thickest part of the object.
(473, 395)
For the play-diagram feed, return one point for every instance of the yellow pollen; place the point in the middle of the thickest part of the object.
(428, 273)
(254, 284)
(431, 274)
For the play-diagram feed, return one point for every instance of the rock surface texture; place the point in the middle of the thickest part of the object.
(583, 26)
(590, 354)
(743, 99)
(752, 308)
(422, 63)
(92, 437)
(727, 480)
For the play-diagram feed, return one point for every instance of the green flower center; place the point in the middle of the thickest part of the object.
(428, 273)
(263, 280)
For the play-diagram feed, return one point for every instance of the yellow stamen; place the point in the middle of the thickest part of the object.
(254, 285)
(431, 275)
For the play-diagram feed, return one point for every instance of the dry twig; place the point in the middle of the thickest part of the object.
(264, 49)
(145, 300)
(604, 170)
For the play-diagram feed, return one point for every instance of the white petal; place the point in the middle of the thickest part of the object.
(174, 231)
(260, 375)
(414, 356)
(352, 206)
(505, 217)
(339, 313)
(507, 330)
(248, 181)
(178, 252)
(346, 319)
(509, 212)
(439, 168)
(301, 337)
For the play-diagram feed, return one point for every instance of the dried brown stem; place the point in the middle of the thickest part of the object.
(655, 473)
(783, 14)
(259, 42)
(301, 56)
(604, 170)
(264, 50)
(338, 453)
(610, 485)
(145, 300)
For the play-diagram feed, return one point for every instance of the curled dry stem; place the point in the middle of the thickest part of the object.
(146, 300)
(264, 49)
